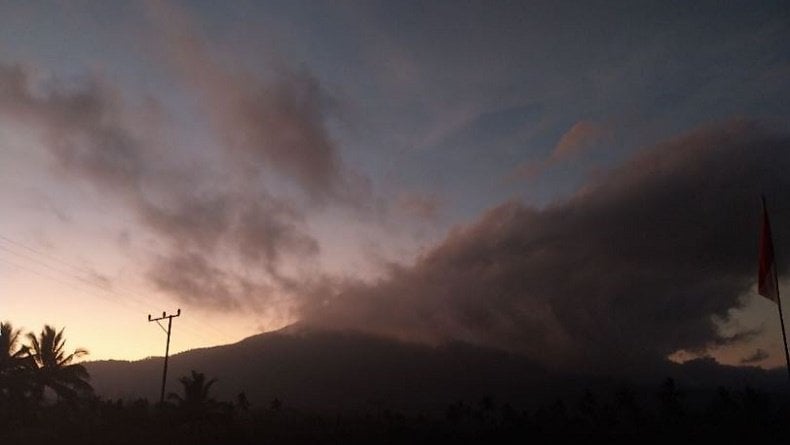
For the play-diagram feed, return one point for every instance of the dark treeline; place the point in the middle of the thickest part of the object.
(615, 418)
(41, 403)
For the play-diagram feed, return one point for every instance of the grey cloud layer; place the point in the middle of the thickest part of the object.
(625, 272)
(275, 126)
(86, 132)
(584, 135)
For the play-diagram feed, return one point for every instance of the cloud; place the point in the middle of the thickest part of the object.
(583, 136)
(418, 205)
(276, 125)
(88, 131)
(191, 276)
(632, 268)
(756, 357)
(80, 126)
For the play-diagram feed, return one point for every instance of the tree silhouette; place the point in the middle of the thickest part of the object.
(196, 400)
(11, 355)
(670, 398)
(53, 368)
(15, 365)
(242, 402)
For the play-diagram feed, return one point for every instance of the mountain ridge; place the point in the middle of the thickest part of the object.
(348, 370)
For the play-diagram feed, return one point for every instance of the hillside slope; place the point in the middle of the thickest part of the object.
(348, 370)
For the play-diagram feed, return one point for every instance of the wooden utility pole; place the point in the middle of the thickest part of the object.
(167, 347)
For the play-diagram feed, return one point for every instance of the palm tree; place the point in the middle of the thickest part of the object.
(54, 368)
(10, 353)
(196, 391)
(196, 405)
(15, 365)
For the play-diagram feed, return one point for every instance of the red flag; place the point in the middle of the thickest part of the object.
(766, 276)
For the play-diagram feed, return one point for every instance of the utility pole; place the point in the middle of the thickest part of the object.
(167, 348)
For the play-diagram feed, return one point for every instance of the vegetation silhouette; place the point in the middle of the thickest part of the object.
(201, 415)
(54, 368)
(667, 412)
(196, 390)
(15, 365)
(26, 371)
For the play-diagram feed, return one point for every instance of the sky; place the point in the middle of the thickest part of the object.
(576, 182)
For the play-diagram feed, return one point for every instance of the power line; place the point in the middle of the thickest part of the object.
(44, 254)
(123, 301)
(128, 293)
(56, 279)
(85, 270)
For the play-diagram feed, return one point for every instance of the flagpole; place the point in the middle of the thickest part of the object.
(778, 298)
(782, 322)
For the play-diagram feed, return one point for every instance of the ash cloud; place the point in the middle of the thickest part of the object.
(197, 281)
(419, 205)
(90, 136)
(271, 126)
(80, 125)
(634, 266)
(756, 357)
(582, 137)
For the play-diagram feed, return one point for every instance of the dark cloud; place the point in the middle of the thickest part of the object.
(577, 139)
(276, 125)
(423, 206)
(80, 125)
(258, 229)
(283, 125)
(192, 277)
(269, 227)
(582, 137)
(756, 357)
(740, 337)
(633, 267)
(197, 222)
(86, 130)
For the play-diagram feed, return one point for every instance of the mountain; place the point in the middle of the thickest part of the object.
(330, 370)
